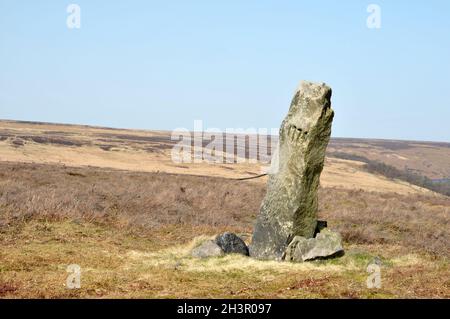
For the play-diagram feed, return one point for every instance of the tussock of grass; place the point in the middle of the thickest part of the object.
(179, 257)
(408, 260)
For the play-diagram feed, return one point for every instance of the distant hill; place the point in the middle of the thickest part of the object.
(431, 159)
(150, 151)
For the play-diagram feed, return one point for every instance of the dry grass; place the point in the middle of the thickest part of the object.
(140, 200)
(131, 233)
(117, 264)
(417, 223)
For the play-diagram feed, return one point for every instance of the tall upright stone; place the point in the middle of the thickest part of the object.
(290, 206)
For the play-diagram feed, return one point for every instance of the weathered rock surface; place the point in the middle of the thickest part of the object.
(290, 206)
(207, 249)
(326, 244)
(231, 244)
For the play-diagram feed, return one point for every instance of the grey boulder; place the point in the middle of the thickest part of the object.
(207, 249)
(231, 244)
(325, 245)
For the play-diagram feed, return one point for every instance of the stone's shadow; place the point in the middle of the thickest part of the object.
(337, 254)
(321, 224)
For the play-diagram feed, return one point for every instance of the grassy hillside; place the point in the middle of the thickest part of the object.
(113, 202)
(430, 159)
(131, 232)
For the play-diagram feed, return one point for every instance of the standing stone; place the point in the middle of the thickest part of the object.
(290, 206)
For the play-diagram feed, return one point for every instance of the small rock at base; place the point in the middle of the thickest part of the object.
(232, 244)
(326, 244)
(207, 249)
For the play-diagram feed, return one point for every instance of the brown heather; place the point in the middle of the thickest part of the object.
(147, 201)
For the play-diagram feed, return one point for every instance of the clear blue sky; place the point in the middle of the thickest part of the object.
(233, 63)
